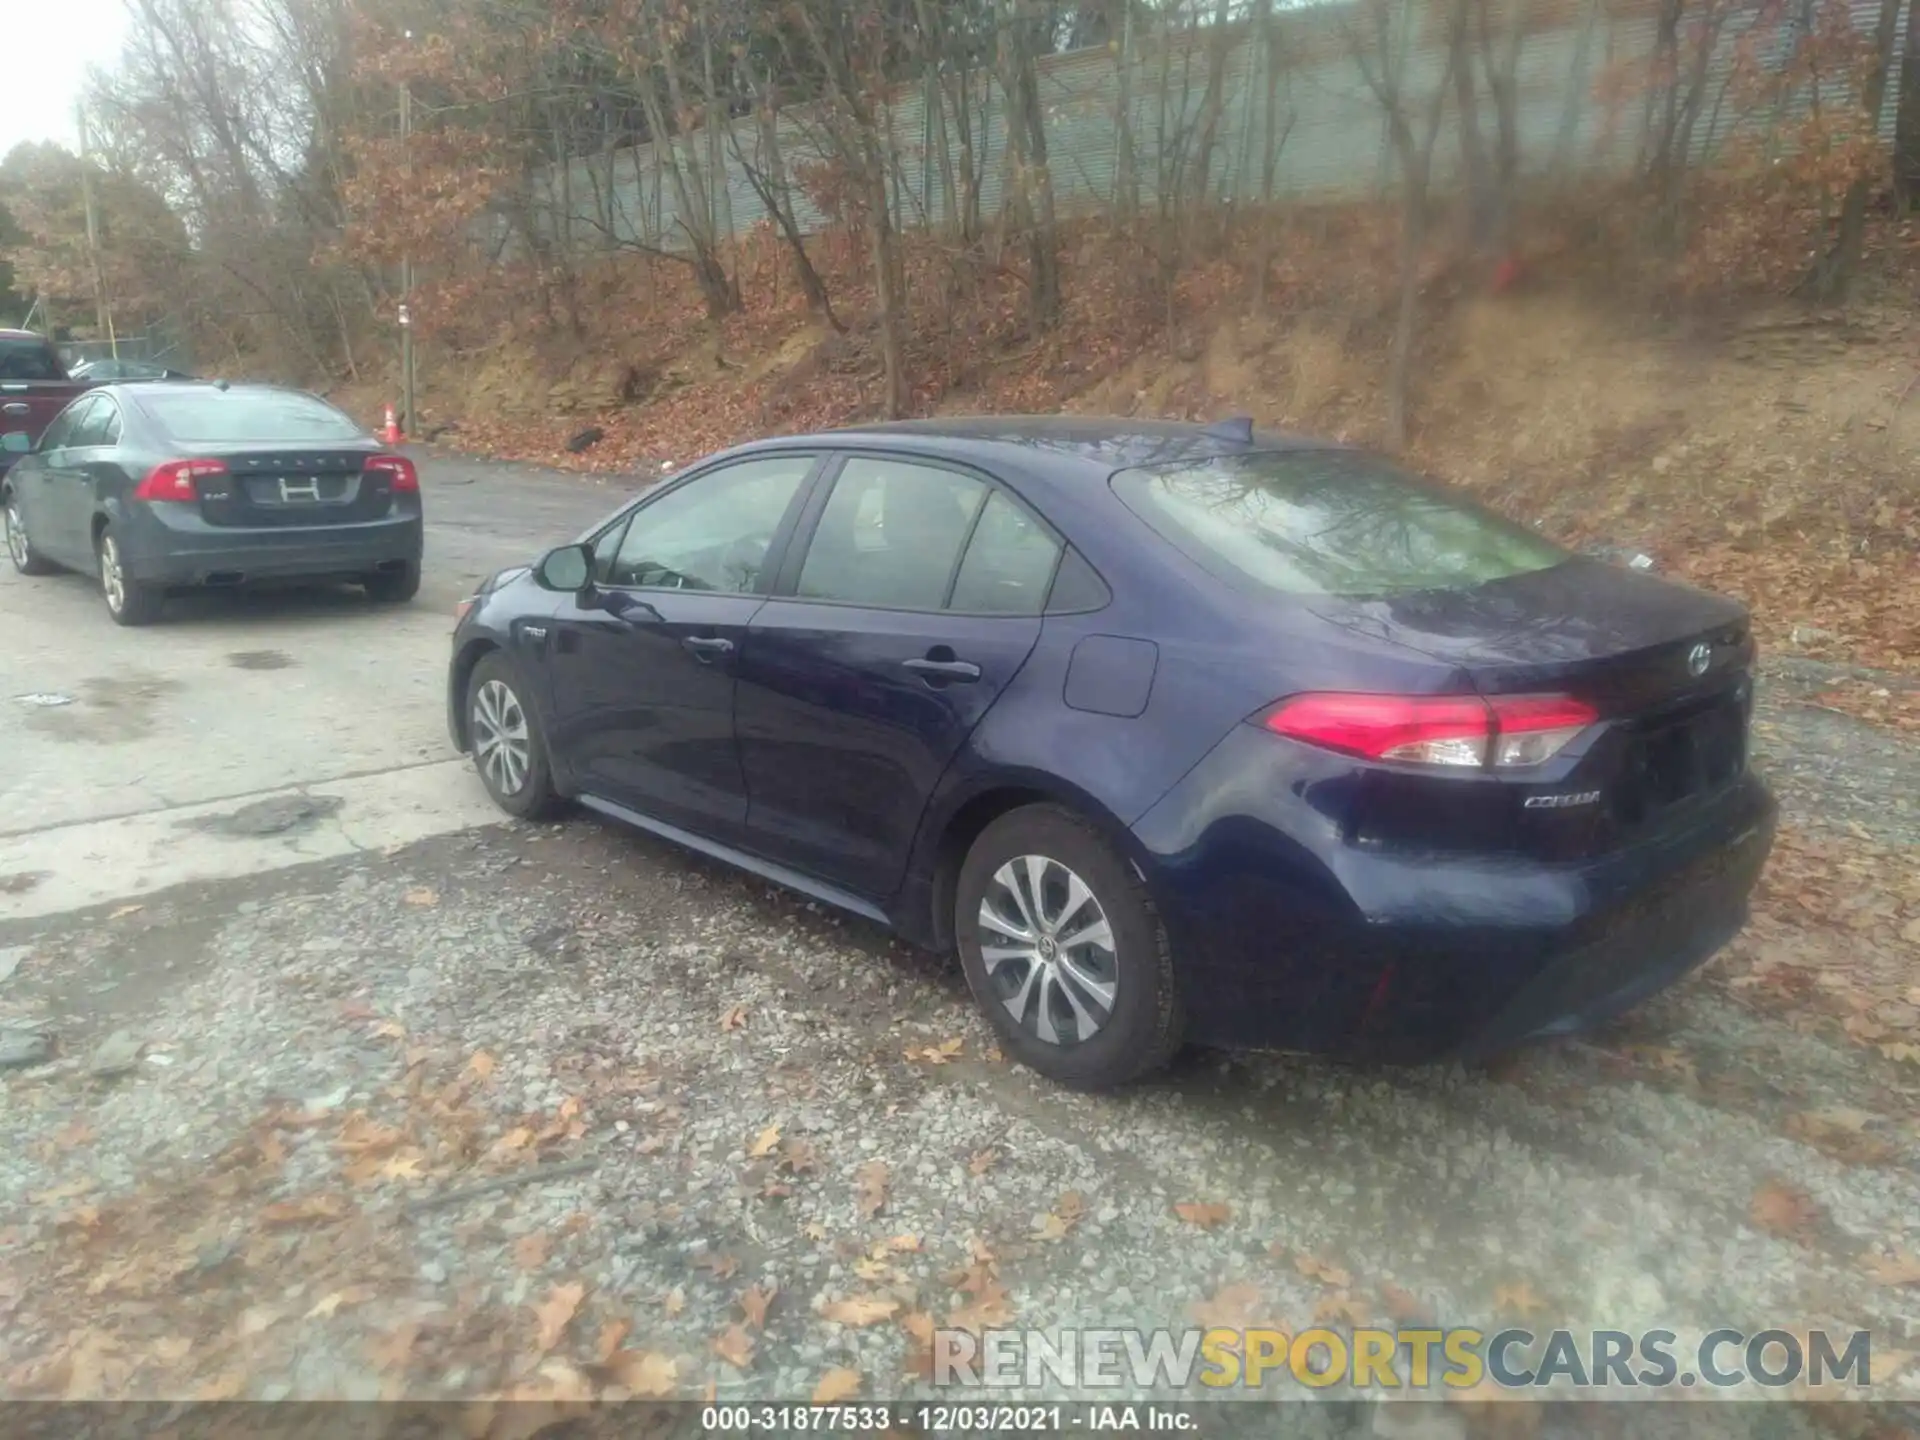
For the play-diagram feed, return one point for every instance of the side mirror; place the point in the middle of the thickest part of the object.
(569, 569)
(16, 442)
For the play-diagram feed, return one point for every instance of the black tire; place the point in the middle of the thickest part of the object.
(394, 587)
(20, 549)
(1142, 1029)
(137, 603)
(534, 798)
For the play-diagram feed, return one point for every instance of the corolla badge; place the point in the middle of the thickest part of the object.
(1698, 659)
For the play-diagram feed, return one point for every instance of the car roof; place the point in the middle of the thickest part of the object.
(1057, 447)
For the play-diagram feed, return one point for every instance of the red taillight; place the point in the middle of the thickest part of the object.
(1459, 730)
(174, 480)
(406, 479)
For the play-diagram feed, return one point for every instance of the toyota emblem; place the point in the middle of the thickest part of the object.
(1698, 659)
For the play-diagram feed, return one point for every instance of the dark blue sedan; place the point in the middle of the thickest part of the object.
(1172, 732)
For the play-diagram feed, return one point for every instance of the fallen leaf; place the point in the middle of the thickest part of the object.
(1403, 1305)
(941, 1054)
(861, 1310)
(838, 1383)
(721, 1267)
(814, 1231)
(644, 1374)
(230, 1386)
(1324, 1271)
(1205, 1214)
(481, 1065)
(870, 1188)
(120, 912)
(674, 1301)
(612, 1335)
(72, 1190)
(296, 1212)
(1231, 1307)
(1340, 1308)
(389, 1030)
(734, 1019)
(1900, 1268)
(1782, 1209)
(422, 895)
(904, 1244)
(754, 1303)
(989, 1309)
(1840, 1133)
(1518, 1299)
(982, 1161)
(765, 1144)
(394, 1350)
(919, 1327)
(336, 1300)
(530, 1251)
(556, 1313)
(402, 1167)
(517, 1138)
(734, 1346)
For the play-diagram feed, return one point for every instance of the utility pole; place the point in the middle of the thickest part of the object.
(102, 317)
(412, 421)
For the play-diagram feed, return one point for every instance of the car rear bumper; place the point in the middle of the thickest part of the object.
(1313, 945)
(193, 553)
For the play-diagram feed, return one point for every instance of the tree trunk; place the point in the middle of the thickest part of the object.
(887, 292)
(1834, 274)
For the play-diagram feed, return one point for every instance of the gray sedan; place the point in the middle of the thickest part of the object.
(159, 487)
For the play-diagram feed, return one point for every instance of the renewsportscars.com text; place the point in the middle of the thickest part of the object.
(1404, 1359)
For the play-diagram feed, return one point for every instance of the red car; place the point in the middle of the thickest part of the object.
(33, 386)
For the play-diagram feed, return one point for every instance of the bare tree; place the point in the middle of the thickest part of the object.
(1413, 124)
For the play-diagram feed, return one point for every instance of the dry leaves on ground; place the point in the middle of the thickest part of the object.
(861, 1310)
(735, 1346)
(870, 1188)
(1785, 1210)
(837, 1384)
(1325, 1271)
(555, 1314)
(1206, 1214)
(1900, 1268)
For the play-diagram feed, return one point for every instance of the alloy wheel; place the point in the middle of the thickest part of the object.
(113, 580)
(501, 741)
(1048, 950)
(17, 546)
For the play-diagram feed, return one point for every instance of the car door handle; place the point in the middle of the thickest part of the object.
(15, 407)
(944, 669)
(706, 647)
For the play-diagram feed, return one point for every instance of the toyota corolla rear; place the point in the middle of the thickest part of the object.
(1507, 797)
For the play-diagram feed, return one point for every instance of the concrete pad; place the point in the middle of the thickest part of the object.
(70, 867)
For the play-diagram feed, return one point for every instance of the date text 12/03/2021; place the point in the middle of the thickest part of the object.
(944, 1418)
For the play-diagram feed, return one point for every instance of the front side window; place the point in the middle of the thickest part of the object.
(1328, 522)
(891, 534)
(712, 533)
(26, 357)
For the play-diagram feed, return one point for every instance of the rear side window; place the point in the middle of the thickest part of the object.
(217, 417)
(66, 425)
(1008, 565)
(1328, 522)
(99, 425)
(28, 358)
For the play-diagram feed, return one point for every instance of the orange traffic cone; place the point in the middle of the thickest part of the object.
(390, 432)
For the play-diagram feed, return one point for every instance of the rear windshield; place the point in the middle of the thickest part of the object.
(215, 417)
(1328, 522)
(23, 357)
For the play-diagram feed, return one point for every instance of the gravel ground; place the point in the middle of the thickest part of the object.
(293, 1144)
